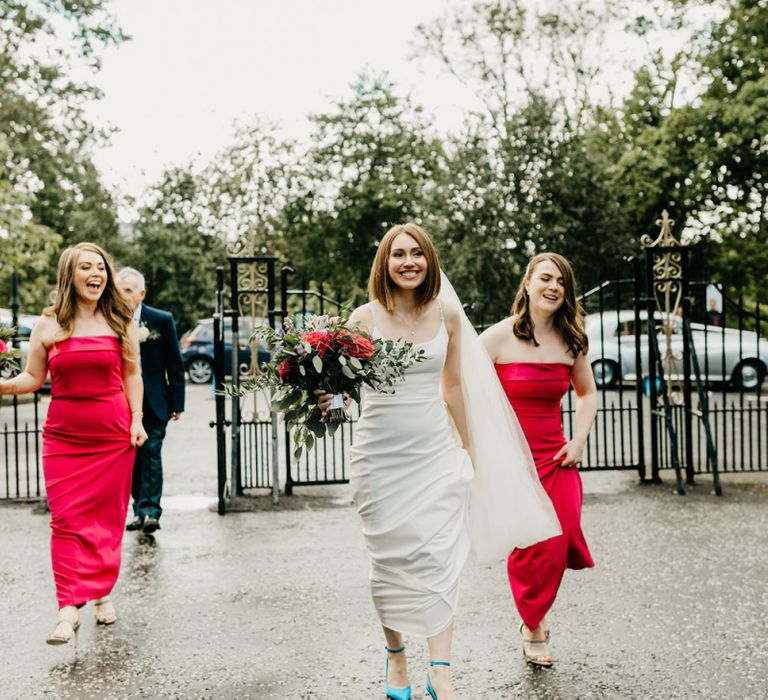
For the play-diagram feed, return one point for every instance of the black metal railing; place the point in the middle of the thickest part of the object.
(21, 436)
(716, 422)
(20, 429)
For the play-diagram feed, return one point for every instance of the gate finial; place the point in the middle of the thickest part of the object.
(244, 246)
(665, 238)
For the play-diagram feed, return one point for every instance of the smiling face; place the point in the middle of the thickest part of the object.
(407, 265)
(546, 288)
(90, 276)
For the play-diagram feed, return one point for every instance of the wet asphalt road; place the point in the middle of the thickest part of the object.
(274, 603)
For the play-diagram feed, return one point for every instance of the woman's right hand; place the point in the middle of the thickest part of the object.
(324, 400)
(138, 434)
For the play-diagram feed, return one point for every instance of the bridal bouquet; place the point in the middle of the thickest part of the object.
(7, 356)
(328, 354)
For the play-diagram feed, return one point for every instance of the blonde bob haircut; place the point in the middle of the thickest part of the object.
(381, 287)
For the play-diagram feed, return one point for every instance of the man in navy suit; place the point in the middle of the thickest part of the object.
(162, 370)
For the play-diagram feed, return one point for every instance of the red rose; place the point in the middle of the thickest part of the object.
(3, 346)
(286, 369)
(355, 345)
(318, 340)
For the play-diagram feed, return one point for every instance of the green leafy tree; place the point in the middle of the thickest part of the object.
(372, 164)
(171, 249)
(46, 135)
(245, 188)
(528, 172)
(705, 160)
(26, 247)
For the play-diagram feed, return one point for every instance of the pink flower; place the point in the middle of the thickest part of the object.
(3, 346)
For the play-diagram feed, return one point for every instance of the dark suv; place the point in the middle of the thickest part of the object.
(197, 349)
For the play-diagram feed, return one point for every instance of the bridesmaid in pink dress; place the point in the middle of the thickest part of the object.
(538, 352)
(88, 342)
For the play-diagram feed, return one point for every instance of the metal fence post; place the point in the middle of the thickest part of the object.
(235, 480)
(687, 389)
(218, 388)
(284, 274)
(637, 304)
(653, 397)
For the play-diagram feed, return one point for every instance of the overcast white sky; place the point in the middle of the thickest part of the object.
(193, 67)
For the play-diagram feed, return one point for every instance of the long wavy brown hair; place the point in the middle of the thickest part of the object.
(112, 305)
(380, 284)
(569, 318)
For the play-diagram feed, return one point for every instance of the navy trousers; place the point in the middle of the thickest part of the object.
(147, 484)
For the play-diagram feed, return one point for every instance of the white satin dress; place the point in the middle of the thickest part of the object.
(410, 481)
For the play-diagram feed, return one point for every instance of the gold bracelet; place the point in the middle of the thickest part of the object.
(137, 413)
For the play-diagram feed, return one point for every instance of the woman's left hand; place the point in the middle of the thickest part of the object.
(570, 453)
(138, 434)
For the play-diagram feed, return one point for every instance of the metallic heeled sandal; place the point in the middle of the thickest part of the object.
(536, 660)
(105, 611)
(395, 693)
(66, 627)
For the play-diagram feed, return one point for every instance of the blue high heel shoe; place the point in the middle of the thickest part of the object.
(395, 693)
(430, 689)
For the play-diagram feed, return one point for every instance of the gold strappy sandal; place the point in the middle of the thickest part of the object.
(66, 626)
(105, 611)
(537, 660)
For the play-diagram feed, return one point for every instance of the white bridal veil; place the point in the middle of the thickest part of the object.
(508, 506)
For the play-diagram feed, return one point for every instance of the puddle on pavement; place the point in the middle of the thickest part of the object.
(187, 502)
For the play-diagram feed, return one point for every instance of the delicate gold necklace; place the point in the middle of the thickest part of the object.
(411, 328)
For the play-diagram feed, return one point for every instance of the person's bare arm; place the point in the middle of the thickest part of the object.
(586, 409)
(134, 387)
(451, 376)
(33, 376)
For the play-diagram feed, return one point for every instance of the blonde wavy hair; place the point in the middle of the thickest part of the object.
(112, 305)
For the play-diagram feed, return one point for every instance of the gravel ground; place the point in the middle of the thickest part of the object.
(274, 603)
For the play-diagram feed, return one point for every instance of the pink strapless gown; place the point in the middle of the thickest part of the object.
(88, 462)
(535, 389)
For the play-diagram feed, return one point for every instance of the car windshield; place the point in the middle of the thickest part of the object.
(203, 332)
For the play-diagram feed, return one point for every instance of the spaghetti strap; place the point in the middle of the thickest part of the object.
(440, 306)
(373, 317)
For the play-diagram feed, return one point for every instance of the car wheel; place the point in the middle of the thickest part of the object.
(748, 375)
(606, 373)
(200, 370)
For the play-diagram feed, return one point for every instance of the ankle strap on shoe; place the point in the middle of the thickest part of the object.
(439, 663)
(395, 651)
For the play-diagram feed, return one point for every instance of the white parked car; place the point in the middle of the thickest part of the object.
(724, 354)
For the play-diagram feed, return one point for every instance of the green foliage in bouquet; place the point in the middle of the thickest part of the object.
(8, 355)
(325, 353)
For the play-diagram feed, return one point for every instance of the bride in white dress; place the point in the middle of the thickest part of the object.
(411, 473)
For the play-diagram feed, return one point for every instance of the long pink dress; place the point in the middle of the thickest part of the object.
(535, 389)
(87, 462)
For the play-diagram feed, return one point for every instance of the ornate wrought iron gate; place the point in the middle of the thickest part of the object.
(678, 390)
(249, 435)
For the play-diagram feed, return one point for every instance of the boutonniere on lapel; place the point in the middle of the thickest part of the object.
(146, 333)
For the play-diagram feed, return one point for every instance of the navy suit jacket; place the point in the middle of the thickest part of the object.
(162, 368)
